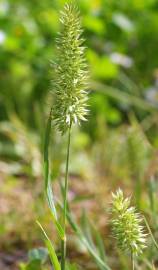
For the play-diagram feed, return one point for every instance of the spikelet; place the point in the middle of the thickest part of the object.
(70, 72)
(126, 225)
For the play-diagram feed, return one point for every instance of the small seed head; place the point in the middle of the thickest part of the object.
(126, 225)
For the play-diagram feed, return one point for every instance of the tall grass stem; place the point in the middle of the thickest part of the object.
(133, 264)
(63, 242)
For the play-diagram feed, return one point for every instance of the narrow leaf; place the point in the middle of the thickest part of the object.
(51, 250)
(48, 189)
(86, 228)
(150, 232)
(50, 199)
(100, 244)
(46, 147)
(58, 227)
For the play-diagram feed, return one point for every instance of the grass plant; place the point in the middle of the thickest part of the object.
(69, 106)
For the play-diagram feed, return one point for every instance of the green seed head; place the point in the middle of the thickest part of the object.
(126, 225)
(70, 72)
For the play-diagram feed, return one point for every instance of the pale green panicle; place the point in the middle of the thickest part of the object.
(70, 72)
(126, 225)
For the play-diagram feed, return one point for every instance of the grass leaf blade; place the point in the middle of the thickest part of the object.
(46, 151)
(51, 250)
(48, 189)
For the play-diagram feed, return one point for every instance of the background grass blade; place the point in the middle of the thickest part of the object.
(100, 244)
(124, 97)
(150, 232)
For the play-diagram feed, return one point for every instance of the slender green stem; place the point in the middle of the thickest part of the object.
(133, 264)
(63, 243)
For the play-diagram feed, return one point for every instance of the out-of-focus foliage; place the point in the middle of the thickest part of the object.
(117, 145)
(122, 42)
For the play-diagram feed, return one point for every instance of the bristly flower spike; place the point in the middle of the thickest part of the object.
(70, 72)
(126, 225)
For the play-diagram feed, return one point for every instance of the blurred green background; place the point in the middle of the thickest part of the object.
(118, 144)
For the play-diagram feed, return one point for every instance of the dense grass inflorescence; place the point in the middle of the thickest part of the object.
(70, 72)
(126, 225)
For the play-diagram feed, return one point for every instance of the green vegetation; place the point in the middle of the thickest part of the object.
(42, 96)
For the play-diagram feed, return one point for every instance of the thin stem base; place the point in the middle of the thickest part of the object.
(63, 242)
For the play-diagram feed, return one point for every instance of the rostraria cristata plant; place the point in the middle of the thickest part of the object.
(127, 225)
(69, 88)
